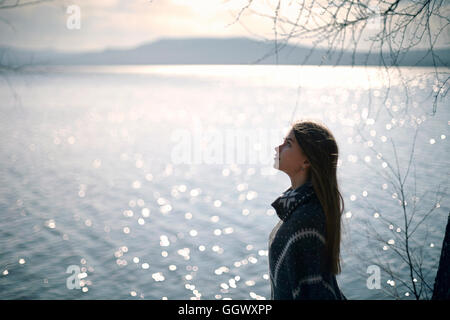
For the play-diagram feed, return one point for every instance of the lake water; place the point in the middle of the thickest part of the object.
(155, 182)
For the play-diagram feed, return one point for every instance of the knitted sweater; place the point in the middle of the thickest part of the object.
(295, 246)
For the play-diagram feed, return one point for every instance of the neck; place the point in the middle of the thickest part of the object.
(297, 181)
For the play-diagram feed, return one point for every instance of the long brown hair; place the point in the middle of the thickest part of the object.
(319, 146)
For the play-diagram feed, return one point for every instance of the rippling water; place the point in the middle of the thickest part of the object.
(109, 170)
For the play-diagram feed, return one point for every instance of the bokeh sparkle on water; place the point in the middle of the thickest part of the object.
(88, 178)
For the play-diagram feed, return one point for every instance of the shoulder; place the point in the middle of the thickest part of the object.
(309, 215)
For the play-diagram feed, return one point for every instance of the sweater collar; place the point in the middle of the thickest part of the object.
(290, 199)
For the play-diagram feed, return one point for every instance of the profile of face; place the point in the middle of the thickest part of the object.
(290, 158)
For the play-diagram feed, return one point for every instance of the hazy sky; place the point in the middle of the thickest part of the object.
(122, 23)
(128, 23)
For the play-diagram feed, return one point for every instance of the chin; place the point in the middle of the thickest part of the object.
(276, 164)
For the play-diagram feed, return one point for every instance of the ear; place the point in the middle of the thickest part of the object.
(306, 164)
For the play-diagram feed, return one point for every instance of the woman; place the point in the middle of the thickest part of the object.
(304, 246)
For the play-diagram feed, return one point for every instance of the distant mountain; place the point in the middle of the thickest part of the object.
(217, 51)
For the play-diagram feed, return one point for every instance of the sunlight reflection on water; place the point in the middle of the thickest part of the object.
(89, 181)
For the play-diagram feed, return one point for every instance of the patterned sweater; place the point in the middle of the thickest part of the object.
(295, 246)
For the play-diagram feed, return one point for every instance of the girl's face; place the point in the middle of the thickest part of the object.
(289, 157)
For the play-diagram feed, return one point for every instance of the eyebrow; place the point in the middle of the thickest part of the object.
(288, 139)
